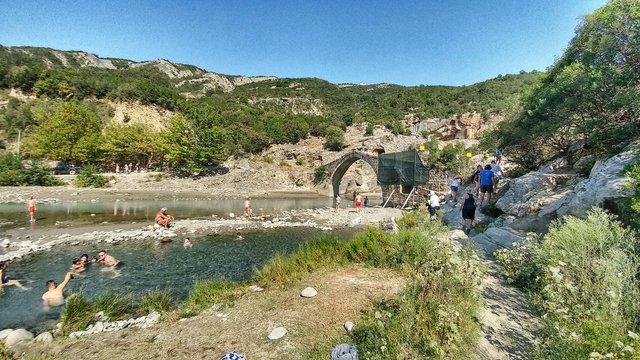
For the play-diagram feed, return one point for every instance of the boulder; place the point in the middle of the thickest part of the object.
(308, 292)
(4, 333)
(531, 192)
(18, 336)
(554, 165)
(604, 183)
(496, 238)
(45, 337)
(277, 333)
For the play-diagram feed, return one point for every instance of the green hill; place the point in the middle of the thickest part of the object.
(225, 114)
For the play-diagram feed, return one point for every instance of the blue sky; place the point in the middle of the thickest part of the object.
(446, 42)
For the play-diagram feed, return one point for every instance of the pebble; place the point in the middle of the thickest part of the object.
(348, 326)
(277, 333)
(309, 292)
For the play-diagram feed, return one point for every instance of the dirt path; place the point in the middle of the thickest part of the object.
(244, 327)
(507, 323)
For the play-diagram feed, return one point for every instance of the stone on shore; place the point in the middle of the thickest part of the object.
(349, 326)
(277, 333)
(4, 333)
(309, 292)
(18, 336)
(45, 337)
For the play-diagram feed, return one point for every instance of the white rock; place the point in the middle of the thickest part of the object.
(45, 337)
(18, 336)
(348, 326)
(255, 288)
(308, 292)
(232, 215)
(4, 333)
(277, 333)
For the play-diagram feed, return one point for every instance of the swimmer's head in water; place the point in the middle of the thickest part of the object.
(75, 261)
(84, 257)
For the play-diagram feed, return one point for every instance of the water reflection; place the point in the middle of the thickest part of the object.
(86, 213)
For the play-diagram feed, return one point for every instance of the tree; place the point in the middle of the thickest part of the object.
(334, 138)
(136, 142)
(190, 148)
(72, 133)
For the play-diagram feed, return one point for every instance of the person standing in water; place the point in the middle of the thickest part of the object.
(338, 203)
(53, 296)
(31, 207)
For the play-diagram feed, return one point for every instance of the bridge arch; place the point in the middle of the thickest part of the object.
(339, 167)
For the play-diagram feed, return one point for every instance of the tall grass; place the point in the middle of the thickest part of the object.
(206, 293)
(157, 300)
(78, 313)
(586, 285)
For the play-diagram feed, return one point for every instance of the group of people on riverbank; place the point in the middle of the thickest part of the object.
(358, 201)
(127, 168)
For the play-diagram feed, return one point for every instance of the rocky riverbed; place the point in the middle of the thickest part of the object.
(19, 243)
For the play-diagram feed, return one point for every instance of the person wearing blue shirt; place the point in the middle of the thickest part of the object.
(487, 183)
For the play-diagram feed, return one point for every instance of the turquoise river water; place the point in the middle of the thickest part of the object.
(146, 266)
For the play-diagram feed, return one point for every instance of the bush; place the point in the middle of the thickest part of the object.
(78, 313)
(5, 353)
(157, 300)
(90, 176)
(368, 131)
(14, 173)
(584, 276)
(334, 140)
(206, 293)
(320, 173)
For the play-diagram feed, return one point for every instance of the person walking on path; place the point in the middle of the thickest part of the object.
(476, 180)
(498, 156)
(468, 211)
(31, 207)
(358, 203)
(434, 203)
(487, 183)
(455, 185)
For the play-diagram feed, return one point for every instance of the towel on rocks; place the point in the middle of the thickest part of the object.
(344, 352)
(233, 356)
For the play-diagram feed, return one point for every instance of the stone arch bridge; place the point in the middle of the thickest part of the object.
(339, 167)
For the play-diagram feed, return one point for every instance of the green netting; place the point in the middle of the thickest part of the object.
(402, 168)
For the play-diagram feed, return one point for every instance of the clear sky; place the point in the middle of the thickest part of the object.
(430, 42)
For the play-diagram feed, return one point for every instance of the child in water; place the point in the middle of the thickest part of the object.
(187, 243)
(239, 236)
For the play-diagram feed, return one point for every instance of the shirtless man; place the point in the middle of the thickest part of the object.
(164, 219)
(31, 206)
(53, 296)
(106, 259)
(358, 201)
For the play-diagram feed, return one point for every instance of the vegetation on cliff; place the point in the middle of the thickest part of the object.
(590, 94)
(71, 105)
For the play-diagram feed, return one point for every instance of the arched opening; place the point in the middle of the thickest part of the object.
(356, 172)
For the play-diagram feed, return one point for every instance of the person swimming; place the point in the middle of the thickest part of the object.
(4, 279)
(187, 243)
(105, 259)
(239, 236)
(54, 296)
(77, 265)
(84, 259)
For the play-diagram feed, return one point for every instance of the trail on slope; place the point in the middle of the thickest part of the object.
(506, 319)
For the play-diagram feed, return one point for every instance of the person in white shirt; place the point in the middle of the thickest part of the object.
(434, 203)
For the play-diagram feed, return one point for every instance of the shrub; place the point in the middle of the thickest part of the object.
(78, 313)
(90, 176)
(584, 276)
(320, 173)
(116, 306)
(157, 300)
(334, 139)
(206, 293)
(368, 131)
(299, 161)
(317, 253)
(14, 173)
(284, 163)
